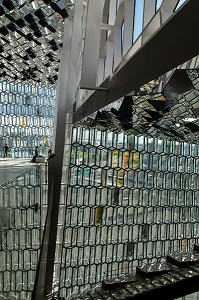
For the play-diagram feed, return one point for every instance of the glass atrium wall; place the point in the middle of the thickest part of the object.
(130, 200)
(26, 117)
(23, 206)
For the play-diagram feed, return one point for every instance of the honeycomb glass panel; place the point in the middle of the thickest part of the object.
(22, 219)
(130, 200)
(27, 117)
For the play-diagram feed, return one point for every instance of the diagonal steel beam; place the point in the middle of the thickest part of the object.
(173, 44)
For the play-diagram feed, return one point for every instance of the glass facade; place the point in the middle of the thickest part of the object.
(158, 4)
(26, 117)
(130, 200)
(31, 36)
(180, 2)
(130, 193)
(138, 19)
(23, 205)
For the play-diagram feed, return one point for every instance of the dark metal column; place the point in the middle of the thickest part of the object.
(44, 276)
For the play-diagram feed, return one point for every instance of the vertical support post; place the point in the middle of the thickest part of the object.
(149, 11)
(167, 8)
(44, 276)
(92, 43)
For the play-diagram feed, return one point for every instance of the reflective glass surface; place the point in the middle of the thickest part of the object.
(180, 2)
(31, 38)
(172, 113)
(158, 4)
(129, 200)
(23, 205)
(26, 118)
(138, 18)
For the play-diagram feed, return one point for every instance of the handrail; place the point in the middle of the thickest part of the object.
(14, 179)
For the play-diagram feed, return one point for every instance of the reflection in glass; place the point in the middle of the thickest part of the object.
(19, 118)
(138, 18)
(130, 200)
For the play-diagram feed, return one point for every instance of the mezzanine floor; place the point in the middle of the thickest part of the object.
(10, 168)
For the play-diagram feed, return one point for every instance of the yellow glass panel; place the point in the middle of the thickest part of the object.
(45, 141)
(104, 178)
(160, 98)
(98, 216)
(115, 158)
(126, 159)
(120, 178)
(23, 121)
(136, 160)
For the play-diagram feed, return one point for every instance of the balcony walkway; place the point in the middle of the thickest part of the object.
(10, 168)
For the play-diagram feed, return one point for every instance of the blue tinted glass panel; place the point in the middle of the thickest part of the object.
(179, 4)
(117, 4)
(138, 19)
(158, 4)
(122, 35)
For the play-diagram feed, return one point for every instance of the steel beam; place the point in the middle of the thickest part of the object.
(92, 43)
(44, 274)
(172, 45)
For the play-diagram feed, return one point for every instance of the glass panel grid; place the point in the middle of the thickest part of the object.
(130, 200)
(26, 117)
(23, 205)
